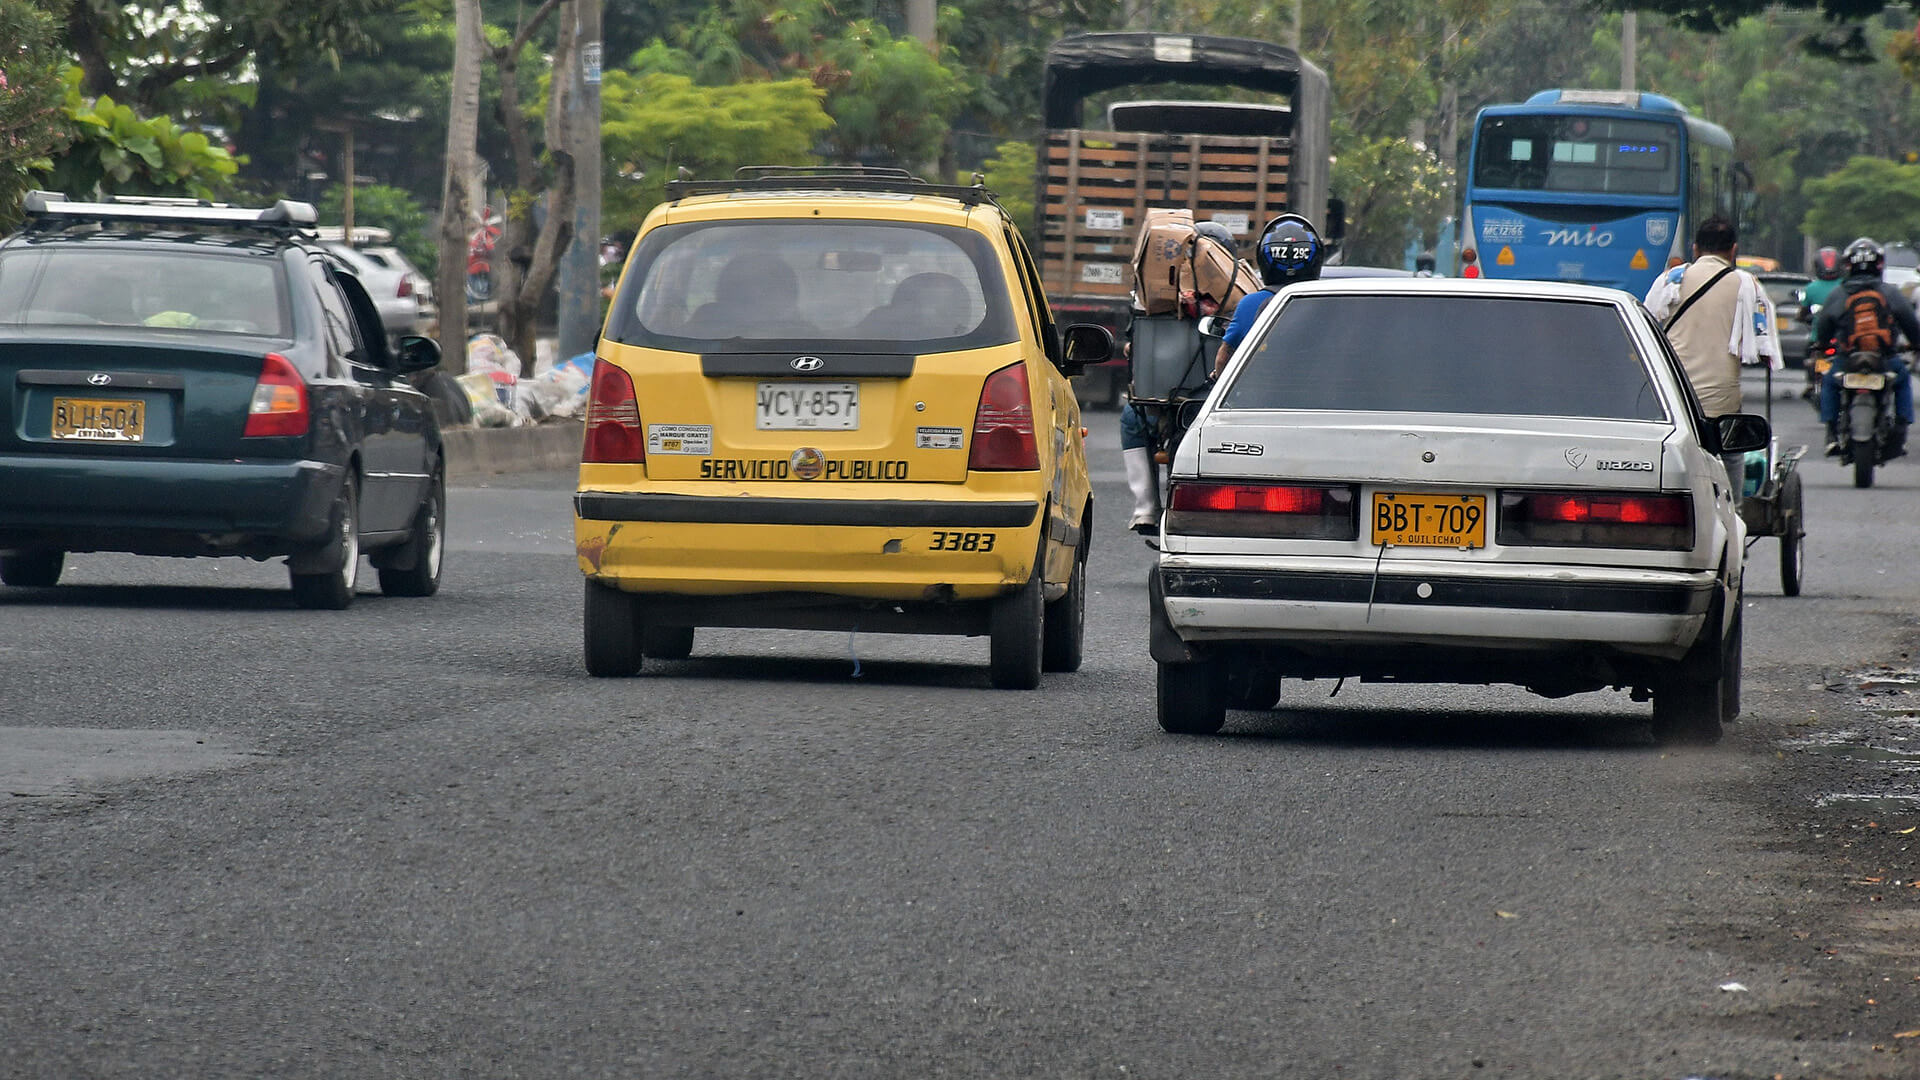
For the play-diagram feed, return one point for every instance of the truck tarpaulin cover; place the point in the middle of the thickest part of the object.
(1087, 64)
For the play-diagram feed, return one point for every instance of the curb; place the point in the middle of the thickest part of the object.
(474, 452)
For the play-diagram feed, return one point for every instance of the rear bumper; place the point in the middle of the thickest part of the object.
(164, 507)
(1539, 610)
(866, 549)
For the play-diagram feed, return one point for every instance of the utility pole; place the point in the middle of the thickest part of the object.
(1293, 32)
(579, 286)
(1629, 46)
(922, 22)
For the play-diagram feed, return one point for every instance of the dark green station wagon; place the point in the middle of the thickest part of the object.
(184, 379)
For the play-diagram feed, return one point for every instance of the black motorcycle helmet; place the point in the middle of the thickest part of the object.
(1290, 250)
(1865, 257)
(1827, 264)
(1219, 234)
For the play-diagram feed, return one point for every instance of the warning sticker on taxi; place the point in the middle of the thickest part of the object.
(693, 439)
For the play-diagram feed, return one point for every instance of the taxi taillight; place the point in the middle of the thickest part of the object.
(1596, 519)
(1003, 423)
(1286, 511)
(279, 405)
(613, 418)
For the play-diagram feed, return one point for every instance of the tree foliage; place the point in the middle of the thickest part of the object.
(1394, 191)
(32, 125)
(116, 151)
(1010, 176)
(162, 57)
(654, 124)
(382, 206)
(1869, 197)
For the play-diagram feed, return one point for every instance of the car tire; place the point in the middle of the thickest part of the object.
(612, 635)
(1066, 622)
(1690, 704)
(667, 642)
(332, 589)
(1016, 629)
(1793, 542)
(424, 550)
(1191, 697)
(32, 569)
(1734, 654)
(1252, 689)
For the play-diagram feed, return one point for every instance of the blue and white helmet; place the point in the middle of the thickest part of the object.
(1290, 250)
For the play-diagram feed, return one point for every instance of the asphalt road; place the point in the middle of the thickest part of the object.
(414, 839)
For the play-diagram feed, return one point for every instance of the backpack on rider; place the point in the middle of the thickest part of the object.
(1865, 324)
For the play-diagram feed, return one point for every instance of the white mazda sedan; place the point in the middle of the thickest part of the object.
(1423, 480)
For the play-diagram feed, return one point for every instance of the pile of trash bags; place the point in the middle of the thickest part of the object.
(500, 397)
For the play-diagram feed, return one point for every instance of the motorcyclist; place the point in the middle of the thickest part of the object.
(1828, 269)
(1864, 260)
(1290, 250)
(1136, 429)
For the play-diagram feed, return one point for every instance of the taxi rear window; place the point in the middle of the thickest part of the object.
(176, 290)
(1499, 356)
(855, 286)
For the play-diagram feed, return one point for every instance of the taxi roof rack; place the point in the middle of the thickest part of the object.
(52, 209)
(798, 178)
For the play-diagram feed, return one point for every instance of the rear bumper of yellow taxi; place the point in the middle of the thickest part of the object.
(901, 549)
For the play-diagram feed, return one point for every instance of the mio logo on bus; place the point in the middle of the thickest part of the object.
(1576, 238)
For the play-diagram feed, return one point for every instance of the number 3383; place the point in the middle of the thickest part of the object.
(961, 541)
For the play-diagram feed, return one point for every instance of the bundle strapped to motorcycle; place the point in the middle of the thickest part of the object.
(801, 179)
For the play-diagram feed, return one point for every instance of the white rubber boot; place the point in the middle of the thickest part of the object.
(1141, 480)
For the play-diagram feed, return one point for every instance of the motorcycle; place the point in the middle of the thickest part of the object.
(1866, 419)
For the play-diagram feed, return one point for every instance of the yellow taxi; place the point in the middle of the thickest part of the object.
(834, 399)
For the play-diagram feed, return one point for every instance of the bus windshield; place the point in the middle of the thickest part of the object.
(1593, 154)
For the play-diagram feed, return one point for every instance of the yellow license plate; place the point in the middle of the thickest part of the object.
(1782, 323)
(99, 419)
(1424, 519)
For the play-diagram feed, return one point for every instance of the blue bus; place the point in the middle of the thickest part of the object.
(1602, 187)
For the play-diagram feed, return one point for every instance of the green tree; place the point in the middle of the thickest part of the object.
(1010, 176)
(393, 209)
(1870, 197)
(654, 124)
(161, 57)
(1394, 191)
(116, 151)
(32, 125)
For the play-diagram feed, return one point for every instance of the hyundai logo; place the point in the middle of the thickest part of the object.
(100, 378)
(806, 363)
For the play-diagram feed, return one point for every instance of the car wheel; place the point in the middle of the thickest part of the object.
(1252, 689)
(32, 569)
(612, 631)
(1016, 628)
(1191, 697)
(423, 551)
(1066, 622)
(1690, 705)
(667, 642)
(1793, 542)
(332, 589)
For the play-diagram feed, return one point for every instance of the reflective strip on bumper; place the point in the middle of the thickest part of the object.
(1356, 588)
(738, 510)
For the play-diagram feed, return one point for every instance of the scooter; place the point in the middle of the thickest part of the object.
(1865, 423)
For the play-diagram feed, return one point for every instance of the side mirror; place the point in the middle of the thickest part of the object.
(1083, 344)
(1213, 326)
(417, 354)
(1742, 433)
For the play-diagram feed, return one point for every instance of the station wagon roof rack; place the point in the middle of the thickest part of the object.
(878, 179)
(52, 209)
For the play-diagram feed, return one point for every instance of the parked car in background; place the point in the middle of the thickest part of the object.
(1532, 497)
(193, 380)
(1784, 293)
(403, 295)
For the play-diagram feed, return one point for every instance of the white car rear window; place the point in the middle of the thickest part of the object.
(1448, 354)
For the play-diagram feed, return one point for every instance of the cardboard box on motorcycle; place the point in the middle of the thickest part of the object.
(1170, 259)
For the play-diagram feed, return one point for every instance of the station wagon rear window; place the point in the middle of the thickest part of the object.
(178, 290)
(1449, 354)
(857, 286)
